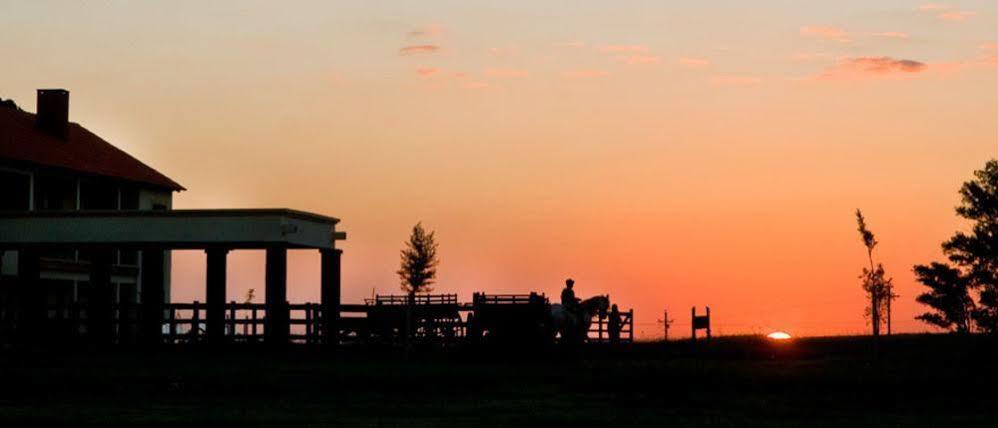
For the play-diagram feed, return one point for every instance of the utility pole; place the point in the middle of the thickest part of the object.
(890, 298)
(666, 322)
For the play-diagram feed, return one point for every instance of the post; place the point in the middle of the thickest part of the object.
(99, 326)
(195, 329)
(665, 325)
(890, 297)
(330, 295)
(215, 295)
(172, 317)
(32, 312)
(232, 319)
(153, 296)
(708, 323)
(276, 325)
(693, 323)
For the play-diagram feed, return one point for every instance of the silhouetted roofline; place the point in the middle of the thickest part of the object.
(223, 212)
(81, 151)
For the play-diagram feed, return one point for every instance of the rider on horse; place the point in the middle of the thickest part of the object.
(568, 299)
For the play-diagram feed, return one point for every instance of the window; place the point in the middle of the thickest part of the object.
(97, 195)
(129, 198)
(15, 191)
(55, 193)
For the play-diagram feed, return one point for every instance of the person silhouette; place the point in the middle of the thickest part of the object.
(568, 299)
(614, 325)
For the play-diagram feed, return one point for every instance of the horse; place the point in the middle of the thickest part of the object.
(574, 325)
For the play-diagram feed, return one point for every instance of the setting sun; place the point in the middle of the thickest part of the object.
(779, 335)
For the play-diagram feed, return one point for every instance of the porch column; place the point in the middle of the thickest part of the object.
(99, 325)
(153, 296)
(31, 297)
(215, 294)
(277, 326)
(330, 295)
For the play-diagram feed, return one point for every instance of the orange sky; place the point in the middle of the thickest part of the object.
(668, 154)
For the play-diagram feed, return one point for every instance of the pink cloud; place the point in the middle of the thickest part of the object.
(934, 6)
(476, 85)
(584, 74)
(735, 80)
(810, 56)
(418, 49)
(640, 59)
(503, 51)
(693, 62)
(956, 15)
(622, 48)
(892, 35)
(826, 32)
(569, 45)
(947, 12)
(432, 30)
(872, 67)
(989, 46)
(505, 73)
(427, 71)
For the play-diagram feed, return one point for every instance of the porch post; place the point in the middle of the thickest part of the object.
(215, 294)
(99, 299)
(330, 295)
(153, 296)
(277, 326)
(31, 296)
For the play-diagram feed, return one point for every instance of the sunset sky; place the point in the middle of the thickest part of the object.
(670, 154)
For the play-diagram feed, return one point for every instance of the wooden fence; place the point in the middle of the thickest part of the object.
(600, 330)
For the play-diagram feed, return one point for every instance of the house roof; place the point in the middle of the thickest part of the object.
(82, 151)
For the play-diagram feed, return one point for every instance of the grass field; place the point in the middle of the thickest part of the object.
(920, 380)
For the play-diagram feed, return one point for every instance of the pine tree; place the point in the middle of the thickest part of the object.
(976, 252)
(418, 270)
(419, 261)
(949, 296)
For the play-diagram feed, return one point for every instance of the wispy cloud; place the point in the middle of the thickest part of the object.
(503, 52)
(476, 85)
(432, 30)
(826, 32)
(989, 46)
(946, 12)
(640, 59)
(505, 73)
(692, 62)
(811, 56)
(427, 71)
(569, 44)
(418, 49)
(621, 48)
(933, 6)
(956, 15)
(855, 68)
(892, 35)
(736, 80)
(584, 74)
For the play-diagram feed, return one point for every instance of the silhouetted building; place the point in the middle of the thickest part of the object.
(48, 163)
(86, 233)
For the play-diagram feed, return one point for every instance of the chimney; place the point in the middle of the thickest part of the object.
(53, 112)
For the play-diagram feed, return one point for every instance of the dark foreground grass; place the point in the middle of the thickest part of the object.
(922, 380)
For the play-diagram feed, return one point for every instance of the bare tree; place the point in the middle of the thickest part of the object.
(878, 288)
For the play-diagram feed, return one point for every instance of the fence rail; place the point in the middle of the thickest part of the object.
(246, 322)
(602, 329)
(419, 299)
